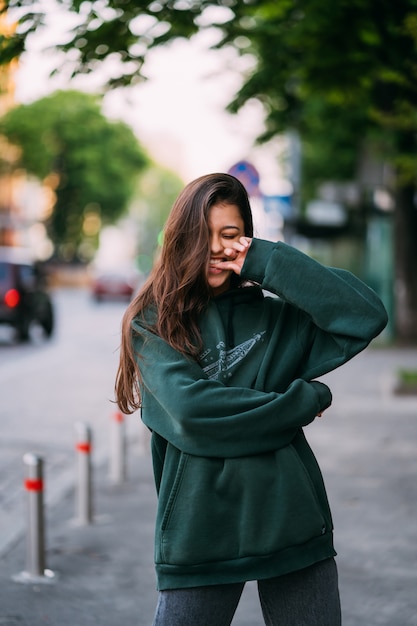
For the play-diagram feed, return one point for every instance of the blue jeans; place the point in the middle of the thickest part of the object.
(308, 597)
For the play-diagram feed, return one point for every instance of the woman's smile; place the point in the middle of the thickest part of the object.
(214, 266)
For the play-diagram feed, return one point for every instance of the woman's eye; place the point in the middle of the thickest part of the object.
(228, 236)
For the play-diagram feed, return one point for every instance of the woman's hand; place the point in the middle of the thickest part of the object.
(237, 252)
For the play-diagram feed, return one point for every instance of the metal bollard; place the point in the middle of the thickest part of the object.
(118, 449)
(35, 538)
(83, 446)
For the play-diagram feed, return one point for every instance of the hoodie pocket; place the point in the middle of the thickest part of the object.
(224, 509)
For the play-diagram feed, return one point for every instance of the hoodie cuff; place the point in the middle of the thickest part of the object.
(324, 394)
(257, 259)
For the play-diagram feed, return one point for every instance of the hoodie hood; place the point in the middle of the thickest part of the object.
(228, 304)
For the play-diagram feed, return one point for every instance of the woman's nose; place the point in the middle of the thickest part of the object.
(215, 244)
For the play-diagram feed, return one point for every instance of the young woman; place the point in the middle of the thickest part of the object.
(224, 375)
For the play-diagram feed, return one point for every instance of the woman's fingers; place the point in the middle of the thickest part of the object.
(238, 246)
(237, 254)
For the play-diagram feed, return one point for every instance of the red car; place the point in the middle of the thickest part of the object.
(113, 286)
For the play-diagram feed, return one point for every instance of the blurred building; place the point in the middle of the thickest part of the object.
(7, 153)
(24, 201)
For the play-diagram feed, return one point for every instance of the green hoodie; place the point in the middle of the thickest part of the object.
(240, 493)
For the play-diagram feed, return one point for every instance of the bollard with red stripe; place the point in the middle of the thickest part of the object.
(118, 448)
(83, 447)
(35, 570)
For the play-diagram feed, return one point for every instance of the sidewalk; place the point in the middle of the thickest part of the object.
(366, 445)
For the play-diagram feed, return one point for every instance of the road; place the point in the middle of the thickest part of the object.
(46, 386)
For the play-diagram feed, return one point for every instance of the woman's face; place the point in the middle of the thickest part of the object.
(225, 226)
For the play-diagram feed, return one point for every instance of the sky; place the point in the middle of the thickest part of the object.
(178, 114)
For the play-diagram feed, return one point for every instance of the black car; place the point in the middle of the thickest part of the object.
(24, 299)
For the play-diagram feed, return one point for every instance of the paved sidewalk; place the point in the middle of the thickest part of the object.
(366, 444)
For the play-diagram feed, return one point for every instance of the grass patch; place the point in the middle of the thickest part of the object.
(408, 377)
(407, 381)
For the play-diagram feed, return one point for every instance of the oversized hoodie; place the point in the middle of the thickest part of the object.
(240, 493)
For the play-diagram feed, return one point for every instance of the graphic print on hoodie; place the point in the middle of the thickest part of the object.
(218, 365)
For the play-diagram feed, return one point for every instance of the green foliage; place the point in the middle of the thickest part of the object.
(158, 188)
(338, 72)
(351, 62)
(95, 161)
(330, 148)
(408, 377)
(123, 29)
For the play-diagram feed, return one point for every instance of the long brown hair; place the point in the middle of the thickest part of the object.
(177, 286)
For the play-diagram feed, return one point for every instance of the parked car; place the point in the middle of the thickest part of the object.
(113, 285)
(24, 298)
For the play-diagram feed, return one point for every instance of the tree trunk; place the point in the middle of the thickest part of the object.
(405, 247)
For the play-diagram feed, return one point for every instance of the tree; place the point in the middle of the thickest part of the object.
(158, 189)
(91, 163)
(344, 75)
(339, 73)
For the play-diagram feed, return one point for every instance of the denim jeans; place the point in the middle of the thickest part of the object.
(308, 597)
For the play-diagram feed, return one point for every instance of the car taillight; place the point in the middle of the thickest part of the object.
(12, 298)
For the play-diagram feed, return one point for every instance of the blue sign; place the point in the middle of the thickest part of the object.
(279, 204)
(248, 175)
